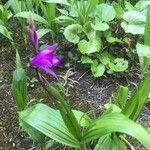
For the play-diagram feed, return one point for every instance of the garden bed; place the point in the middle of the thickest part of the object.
(74, 75)
(86, 93)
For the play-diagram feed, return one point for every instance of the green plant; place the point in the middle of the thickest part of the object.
(131, 106)
(87, 24)
(43, 14)
(135, 18)
(19, 86)
(4, 17)
(76, 129)
(143, 50)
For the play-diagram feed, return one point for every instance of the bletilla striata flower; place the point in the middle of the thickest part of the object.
(46, 60)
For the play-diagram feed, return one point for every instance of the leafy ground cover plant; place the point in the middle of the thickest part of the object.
(86, 23)
(75, 128)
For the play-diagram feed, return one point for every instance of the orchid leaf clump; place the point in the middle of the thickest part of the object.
(102, 33)
(75, 128)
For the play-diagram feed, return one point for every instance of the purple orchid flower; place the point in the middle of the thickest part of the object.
(46, 60)
(33, 36)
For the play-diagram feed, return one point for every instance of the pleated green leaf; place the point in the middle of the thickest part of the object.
(50, 123)
(137, 101)
(19, 84)
(65, 110)
(116, 122)
(34, 134)
(19, 88)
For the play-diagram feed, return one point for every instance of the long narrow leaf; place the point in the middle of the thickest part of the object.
(135, 105)
(66, 112)
(147, 29)
(116, 122)
(34, 16)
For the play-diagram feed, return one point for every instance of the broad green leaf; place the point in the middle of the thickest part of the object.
(83, 46)
(91, 46)
(71, 33)
(5, 32)
(36, 17)
(147, 29)
(49, 122)
(100, 26)
(134, 17)
(113, 40)
(134, 29)
(36, 135)
(86, 60)
(97, 69)
(42, 32)
(105, 58)
(119, 65)
(138, 99)
(105, 12)
(116, 122)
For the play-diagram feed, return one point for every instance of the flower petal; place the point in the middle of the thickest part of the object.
(48, 71)
(41, 61)
(56, 60)
(50, 49)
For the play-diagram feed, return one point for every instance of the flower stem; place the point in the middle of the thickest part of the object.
(131, 147)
